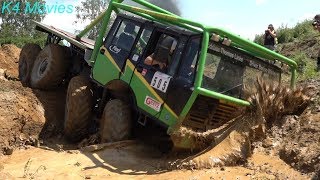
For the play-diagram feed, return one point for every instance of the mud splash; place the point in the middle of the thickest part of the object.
(233, 150)
(233, 146)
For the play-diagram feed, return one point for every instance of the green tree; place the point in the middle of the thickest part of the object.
(258, 39)
(19, 26)
(285, 34)
(304, 29)
(88, 11)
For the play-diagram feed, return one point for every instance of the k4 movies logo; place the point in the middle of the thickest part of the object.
(37, 7)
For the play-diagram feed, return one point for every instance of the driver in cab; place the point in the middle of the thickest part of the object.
(163, 53)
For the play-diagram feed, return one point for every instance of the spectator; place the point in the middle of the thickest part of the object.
(316, 25)
(270, 38)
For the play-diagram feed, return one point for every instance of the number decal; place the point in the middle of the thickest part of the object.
(164, 85)
(160, 81)
(159, 84)
(154, 81)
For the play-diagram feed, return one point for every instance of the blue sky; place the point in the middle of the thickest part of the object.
(243, 17)
(249, 17)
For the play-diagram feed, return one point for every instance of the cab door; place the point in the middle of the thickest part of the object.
(111, 60)
(151, 81)
(182, 84)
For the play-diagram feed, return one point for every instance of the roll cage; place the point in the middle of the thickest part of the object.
(157, 14)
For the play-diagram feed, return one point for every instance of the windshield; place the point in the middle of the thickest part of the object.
(228, 70)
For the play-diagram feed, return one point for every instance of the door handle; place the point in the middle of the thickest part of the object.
(139, 68)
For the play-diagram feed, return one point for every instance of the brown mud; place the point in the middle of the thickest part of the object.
(25, 114)
(269, 105)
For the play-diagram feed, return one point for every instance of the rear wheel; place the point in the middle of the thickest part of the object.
(27, 57)
(78, 112)
(116, 121)
(49, 68)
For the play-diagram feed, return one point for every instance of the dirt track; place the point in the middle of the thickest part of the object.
(132, 160)
(31, 118)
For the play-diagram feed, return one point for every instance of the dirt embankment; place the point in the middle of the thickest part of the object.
(299, 136)
(309, 46)
(24, 113)
(21, 114)
(290, 150)
(9, 58)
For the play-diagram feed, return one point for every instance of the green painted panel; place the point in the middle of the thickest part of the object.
(127, 74)
(142, 90)
(104, 70)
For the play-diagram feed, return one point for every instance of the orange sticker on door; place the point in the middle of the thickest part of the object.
(152, 103)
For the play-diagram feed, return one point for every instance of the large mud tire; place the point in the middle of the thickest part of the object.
(78, 110)
(49, 68)
(116, 121)
(27, 57)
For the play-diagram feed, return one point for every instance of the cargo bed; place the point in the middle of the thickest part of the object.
(84, 43)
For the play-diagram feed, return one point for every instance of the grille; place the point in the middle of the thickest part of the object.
(207, 113)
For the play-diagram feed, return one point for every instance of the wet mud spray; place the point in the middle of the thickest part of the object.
(232, 147)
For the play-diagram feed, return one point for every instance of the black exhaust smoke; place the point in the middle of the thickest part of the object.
(169, 5)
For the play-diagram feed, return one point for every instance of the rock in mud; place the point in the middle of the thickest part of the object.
(3, 75)
(3, 72)
(8, 151)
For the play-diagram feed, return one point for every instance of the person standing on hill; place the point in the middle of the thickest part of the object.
(316, 26)
(270, 38)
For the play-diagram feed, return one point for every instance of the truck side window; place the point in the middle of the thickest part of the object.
(174, 64)
(120, 42)
(188, 67)
(141, 44)
(161, 54)
(126, 35)
(110, 34)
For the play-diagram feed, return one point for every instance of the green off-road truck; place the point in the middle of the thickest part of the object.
(151, 67)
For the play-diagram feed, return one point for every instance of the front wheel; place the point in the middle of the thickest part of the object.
(116, 121)
(78, 108)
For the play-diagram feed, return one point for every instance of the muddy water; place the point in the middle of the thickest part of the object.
(269, 105)
(234, 149)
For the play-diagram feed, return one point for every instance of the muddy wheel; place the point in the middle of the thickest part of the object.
(27, 57)
(79, 102)
(49, 68)
(116, 121)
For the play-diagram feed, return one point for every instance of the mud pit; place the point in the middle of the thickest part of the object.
(28, 115)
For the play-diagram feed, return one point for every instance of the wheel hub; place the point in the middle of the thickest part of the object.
(43, 66)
